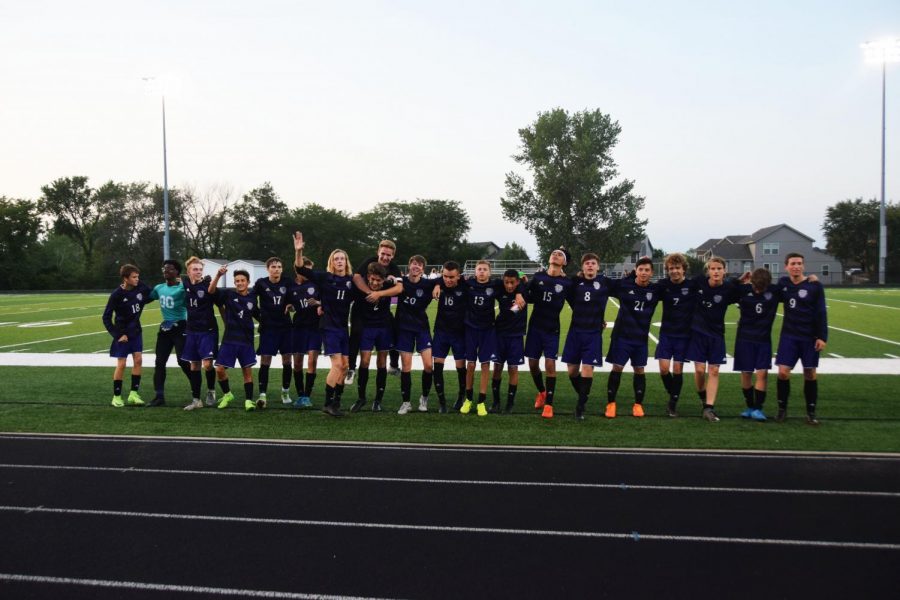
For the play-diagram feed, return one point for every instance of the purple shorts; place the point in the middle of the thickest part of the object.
(122, 349)
(540, 342)
(481, 345)
(446, 341)
(706, 349)
(276, 341)
(336, 341)
(583, 348)
(621, 351)
(229, 352)
(510, 350)
(412, 341)
(671, 348)
(376, 337)
(199, 346)
(792, 349)
(306, 340)
(752, 356)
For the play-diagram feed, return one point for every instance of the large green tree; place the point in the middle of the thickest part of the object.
(576, 198)
(851, 234)
(258, 227)
(325, 229)
(20, 228)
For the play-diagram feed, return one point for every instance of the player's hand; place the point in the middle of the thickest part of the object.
(320, 311)
(745, 277)
(812, 278)
(520, 301)
(603, 326)
(820, 345)
(123, 339)
(298, 241)
(221, 271)
(436, 292)
(288, 309)
(313, 302)
(373, 297)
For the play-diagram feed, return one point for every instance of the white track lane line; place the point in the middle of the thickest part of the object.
(633, 536)
(485, 482)
(165, 587)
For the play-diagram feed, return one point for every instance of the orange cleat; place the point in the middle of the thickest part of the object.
(610, 410)
(540, 400)
(548, 411)
(637, 410)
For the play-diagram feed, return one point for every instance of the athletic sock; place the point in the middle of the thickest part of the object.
(481, 398)
(329, 395)
(263, 378)
(159, 380)
(380, 383)
(461, 381)
(677, 383)
(470, 393)
(667, 380)
(135, 382)
(748, 396)
(495, 390)
(310, 382)
(196, 383)
(759, 398)
(298, 382)
(439, 382)
(405, 385)
(211, 379)
(362, 380)
(612, 387)
(706, 405)
(511, 394)
(551, 389)
(394, 357)
(286, 373)
(117, 387)
(811, 395)
(427, 378)
(783, 391)
(575, 380)
(338, 393)
(226, 387)
(585, 391)
(538, 380)
(639, 384)
(248, 390)
(702, 395)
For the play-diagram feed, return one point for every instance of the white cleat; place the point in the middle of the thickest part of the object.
(423, 403)
(404, 408)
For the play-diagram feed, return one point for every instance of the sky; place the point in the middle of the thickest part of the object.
(734, 116)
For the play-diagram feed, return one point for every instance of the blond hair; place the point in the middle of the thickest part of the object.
(331, 268)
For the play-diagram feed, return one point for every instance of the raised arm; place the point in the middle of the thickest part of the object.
(298, 249)
(215, 282)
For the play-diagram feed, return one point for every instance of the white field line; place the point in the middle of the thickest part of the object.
(609, 327)
(624, 487)
(633, 536)
(58, 351)
(891, 355)
(871, 337)
(18, 313)
(66, 337)
(835, 355)
(864, 304)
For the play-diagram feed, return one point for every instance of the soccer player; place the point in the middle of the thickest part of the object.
(170, 295)
(637, 301)
(387, 250)
(707, 344)
(804, 334)
(583, 350)
(510, 333)
(414, 331)
(758, 303)
(547, 291)
(238, 307)
(679, 297)
(202, 338)
(122, 319)
(376, 334)
(450, 333)
(335, 284)
(275, 330)
(307, 340)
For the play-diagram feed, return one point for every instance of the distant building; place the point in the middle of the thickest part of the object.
(211, 266)
(628, 263)
(256, 268)
(767, 248)
(489, 250)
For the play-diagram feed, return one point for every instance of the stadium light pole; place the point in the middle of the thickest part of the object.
(882, 51)
(166, 253)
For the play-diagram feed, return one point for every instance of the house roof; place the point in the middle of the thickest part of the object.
(732, 251)
(707, 244)
(249, 261)
(767, 231)
(486, 244)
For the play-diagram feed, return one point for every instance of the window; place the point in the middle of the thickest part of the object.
(826, 270)
(771, 268)
(748, 266)
(770, 249)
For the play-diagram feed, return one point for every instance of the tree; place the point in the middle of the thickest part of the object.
(20, 228)
(513, 251)
(257, 228)
(205, 219)
(575, 200)
(325, 229)
(851, 233)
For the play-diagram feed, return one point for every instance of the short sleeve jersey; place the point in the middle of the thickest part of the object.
(171, 301)
(237, 312)
(678, 301)
(636, 307)
(712, 304)
(306, 314)
(480, 299)
(805, 315)
(273, 297)
(334, 292)
(200, 314)
(548, 294)
(757, 313)
(588, 298)
(451, 312)
(510, 322)
(412, 304)
(377, 314)
(122, 315)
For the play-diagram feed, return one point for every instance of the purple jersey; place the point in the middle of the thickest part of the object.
(200, 314)
(588, 298)
(678, 300)
(509, 321)
(373, 315)
(306, 314)
(757, 313)
(272, 298)
(548, 294)
(238, 312)
(480, 301)
(712, 303)
(334, 291)
(412, 303)
(636, 307)
(122, 315)
(451, 312)
(804, 309)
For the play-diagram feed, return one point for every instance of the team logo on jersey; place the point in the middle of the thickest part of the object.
(282, 289)
(200, 293)
(457, 294)
(141, 296)
(631, 292)
(249, 306)
(801, 293)
(649, 295)
(418, 293)
(767, 295)
(684, 291)
(489, 291)
(310, 290)
(540, 283)
(717, 298)
(596, 285)
(557, 288)
(348, 285)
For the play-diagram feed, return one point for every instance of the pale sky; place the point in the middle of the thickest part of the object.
(734, 116)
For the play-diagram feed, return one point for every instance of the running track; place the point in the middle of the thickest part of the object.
(99, 517)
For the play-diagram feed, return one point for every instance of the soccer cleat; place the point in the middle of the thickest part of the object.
(710, 415)
(423, 403)
(349, 377)
(757, 414)
(509, 408)
(610, 410)
(637, 411)
(376, 406)
(333, 409)
(195, 403)
(670, 410)
(250, 405)
(495, 408)
(210, 398)
(286, 397)
(405, 407)
(117, 402)
(157, 401)
(393, 371)
(357, 406)
(781, 415)
(547, 413)
(540, 400)
(747, 413)
(226, 399)
(458, 404)
(579, 413)
(466, 407)
(442, 407)
(482, 409)
(811, 419)
(261, 401)
(134, 399)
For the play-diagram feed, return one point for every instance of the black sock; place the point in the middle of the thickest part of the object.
(538, 380)
(495, 390)
(461, 380)
(612, 387)
(811, 395)
(338, 392)
(782, 392)
(211, 379)
(380, 383)
(135, 382)
(702, 395)
(263, 378)
(427, 378)
(575, 380)
(677, 383)
(667, 380)
(511, 394)
(159, 378)
(248, 390)
(405, 385)
(748, 396)
(470, 394)
(117, 387)
(286, 372)
(226, 387)
(759, 398)
(481, 398)
(362, 380)
(394, 357)
(298, 382)
(329, 395)
(705, 406)
(551, 389)
(439, 382)
(196, 383)
(310, 381)
(639, 384)
(585, 390)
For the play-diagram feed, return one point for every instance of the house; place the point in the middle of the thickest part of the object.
(767, 248)
(256, 268)
(628, 263)
(211, 266)
(489, 250)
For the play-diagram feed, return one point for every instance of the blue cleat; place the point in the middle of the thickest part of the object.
(757, 415)
(748, 413)
(303, 402)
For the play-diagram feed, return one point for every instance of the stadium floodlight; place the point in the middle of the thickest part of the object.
(882, 51)
(166, 254)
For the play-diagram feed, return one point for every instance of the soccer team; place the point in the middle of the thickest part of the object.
(479, 319)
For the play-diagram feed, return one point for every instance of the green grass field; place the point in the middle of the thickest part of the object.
(858, 412)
